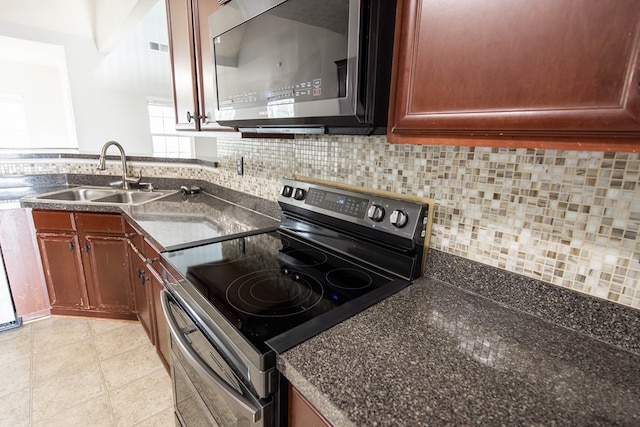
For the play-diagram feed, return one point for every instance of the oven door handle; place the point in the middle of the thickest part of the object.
(231, 395)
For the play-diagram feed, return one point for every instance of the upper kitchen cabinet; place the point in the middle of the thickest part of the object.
(548, 73)
(191, 63)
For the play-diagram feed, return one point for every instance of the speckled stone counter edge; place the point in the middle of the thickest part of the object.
(266, 207)
(307, 389)
(612, 323)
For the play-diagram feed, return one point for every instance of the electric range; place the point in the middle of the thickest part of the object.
(338, 250)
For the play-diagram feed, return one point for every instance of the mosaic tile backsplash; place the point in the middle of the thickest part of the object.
(570, 218)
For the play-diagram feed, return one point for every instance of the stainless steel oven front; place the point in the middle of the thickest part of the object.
(207, 392)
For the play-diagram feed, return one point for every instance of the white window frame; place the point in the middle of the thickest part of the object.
(165, 140)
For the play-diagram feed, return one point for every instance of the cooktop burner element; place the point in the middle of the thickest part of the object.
(349, 278)
(269, 293)
(307, 257)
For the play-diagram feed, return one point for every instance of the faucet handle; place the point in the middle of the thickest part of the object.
(146, 184)
(134, 179)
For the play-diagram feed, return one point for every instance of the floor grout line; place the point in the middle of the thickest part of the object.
(104, 380)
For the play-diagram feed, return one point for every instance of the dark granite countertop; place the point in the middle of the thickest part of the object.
(175, 220)
(435, 354)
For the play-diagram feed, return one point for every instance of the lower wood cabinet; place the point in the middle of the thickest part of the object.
(161, 329)
(142, 295)
(21, 260)
(86, 263)
(147, 286)
(64, 275)
(302, 413)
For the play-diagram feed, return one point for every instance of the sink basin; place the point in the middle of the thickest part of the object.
(129, 198)
(77, 194)
(100, 195)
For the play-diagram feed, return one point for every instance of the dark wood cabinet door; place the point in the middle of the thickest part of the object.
(155, 287)
(141, 283)
(107, 272)
(28, 288)
(206, 70)
(161, 329)
(302, 413)
(63, 272)
(564, 70)
(183, 65)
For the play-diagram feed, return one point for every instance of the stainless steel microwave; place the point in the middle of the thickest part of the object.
(303, 66)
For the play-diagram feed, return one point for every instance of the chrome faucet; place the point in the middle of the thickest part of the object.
(102, 164)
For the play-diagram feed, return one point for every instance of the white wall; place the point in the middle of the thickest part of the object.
(106, 104)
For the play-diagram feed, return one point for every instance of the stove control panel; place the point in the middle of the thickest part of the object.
(401, 215)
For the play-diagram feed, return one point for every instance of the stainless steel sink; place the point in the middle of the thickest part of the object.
(129, 198)
(77, 194)
(102, 195)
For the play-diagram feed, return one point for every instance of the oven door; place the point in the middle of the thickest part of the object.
(207, 392)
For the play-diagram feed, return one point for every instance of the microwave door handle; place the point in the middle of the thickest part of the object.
(231, 396)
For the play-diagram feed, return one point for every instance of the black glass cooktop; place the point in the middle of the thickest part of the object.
(271, 283)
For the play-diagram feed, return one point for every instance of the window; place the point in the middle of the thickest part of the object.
(13, 121)
(165, 139)
(35, 100)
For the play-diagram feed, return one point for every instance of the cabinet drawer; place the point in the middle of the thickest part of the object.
(149, 250)
(100, 223)
(53, 220)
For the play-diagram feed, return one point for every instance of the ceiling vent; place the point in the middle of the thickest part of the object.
(160, 47)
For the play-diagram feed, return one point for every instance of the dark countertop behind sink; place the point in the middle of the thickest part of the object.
(174, 220)
(177, 220)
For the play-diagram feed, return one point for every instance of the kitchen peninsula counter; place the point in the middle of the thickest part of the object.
(178, 220)
(434, 354)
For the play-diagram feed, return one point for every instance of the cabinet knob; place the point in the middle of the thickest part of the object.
(195, 116)
(71, 246)
(87, 247)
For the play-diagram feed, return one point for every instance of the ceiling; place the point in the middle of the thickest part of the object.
(105, 21)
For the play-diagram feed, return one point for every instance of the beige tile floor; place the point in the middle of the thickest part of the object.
(70, 371)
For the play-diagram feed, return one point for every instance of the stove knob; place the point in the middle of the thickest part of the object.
(300, 194)
(287, 191)
(399, 218)
(376, 213)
